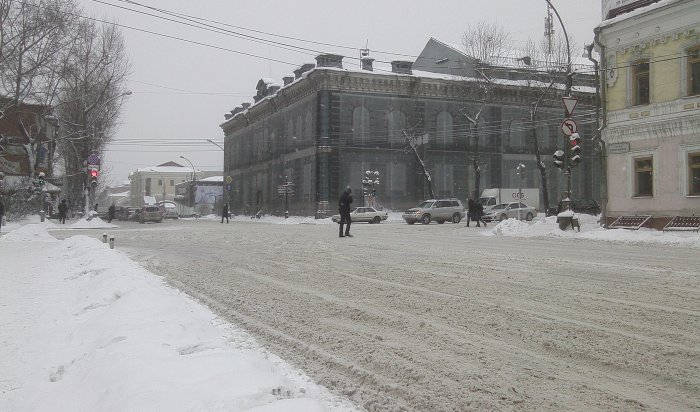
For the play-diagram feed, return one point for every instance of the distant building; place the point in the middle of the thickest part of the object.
(160, 181)
(651, 87)
(327, 125)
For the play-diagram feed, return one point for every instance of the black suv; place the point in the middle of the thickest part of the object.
(587, 206)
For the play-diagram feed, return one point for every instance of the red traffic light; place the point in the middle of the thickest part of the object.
(94, 173)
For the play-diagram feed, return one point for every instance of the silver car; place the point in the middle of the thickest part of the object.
(505, 211)
(440, 210)
(364, 214)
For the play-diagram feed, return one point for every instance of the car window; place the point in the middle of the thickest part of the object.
(501, 206)
(426, 205)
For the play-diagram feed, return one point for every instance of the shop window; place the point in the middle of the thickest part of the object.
(640, 85)
(644, 176)
(694, 174)
(694, 71)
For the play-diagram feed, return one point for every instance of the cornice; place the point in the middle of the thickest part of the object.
(662, 128)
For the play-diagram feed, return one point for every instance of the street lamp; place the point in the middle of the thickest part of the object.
(369, 183)
(216, 144)
(193, 177)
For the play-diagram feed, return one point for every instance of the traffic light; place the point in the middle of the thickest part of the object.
(94, 174)
(559, 159)
(521, 170)
(575, 141)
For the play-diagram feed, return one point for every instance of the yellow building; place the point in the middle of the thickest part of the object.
(651, 92)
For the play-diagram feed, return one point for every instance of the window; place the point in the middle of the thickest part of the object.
(397, 122)
(694, 71)
(640, 85)
(643, 176)
(444, 128)
(517, 134)
(172, 182)
(160, 182)
(694, 174)
(360, 123)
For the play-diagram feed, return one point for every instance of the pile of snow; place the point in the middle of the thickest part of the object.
(591, 229)
(85, 328)
(93, 223)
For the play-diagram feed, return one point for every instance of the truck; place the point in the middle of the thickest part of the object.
(492, 197)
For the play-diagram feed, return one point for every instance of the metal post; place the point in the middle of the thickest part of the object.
(104, 238)
(286, 198)
(111, 242)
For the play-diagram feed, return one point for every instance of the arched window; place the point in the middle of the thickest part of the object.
(360, 123)
(289, 138)
(308, 127)
(444, 133)
(397, 123)
(517, 134)
(299, 132)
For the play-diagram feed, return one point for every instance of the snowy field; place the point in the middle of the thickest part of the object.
(440, 317)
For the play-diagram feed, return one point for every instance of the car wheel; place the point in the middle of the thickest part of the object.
(528, 217)
(456, 218)
(440, 221)
(425, 219)
(503, 217)
(377, 219)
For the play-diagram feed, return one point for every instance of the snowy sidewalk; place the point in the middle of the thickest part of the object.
(84, 328)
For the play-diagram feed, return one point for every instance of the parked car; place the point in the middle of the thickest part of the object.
(364, 214)
(150, 214)
(587, 206)
(439, 210)
(169, 210)
(505, 211)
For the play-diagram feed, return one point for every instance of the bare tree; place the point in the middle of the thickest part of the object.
(33, 39)
(90, 98)
(486, 42)
(412, 142)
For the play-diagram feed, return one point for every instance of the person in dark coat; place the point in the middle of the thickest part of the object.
(62, 211)
(2, 212)
(344, 209)
(224, 213)
(479, 214)
(471, 211)
(110, 213)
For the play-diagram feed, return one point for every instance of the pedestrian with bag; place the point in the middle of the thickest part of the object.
(344, 209)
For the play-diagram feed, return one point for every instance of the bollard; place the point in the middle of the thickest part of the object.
(111, 242)
(104, 238)
(42, 215)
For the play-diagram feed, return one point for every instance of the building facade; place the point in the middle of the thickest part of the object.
(158, 182)
(651, 88)
(328, 124)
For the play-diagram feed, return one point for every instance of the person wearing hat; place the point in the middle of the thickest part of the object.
(344, 209)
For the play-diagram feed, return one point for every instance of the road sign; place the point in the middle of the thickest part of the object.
(229, 179)
(569, 104)
(93, 159)
(569, 127)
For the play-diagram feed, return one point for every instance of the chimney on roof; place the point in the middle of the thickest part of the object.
(245, 105)
(402, 66)
(303, 69)
(227, 116)
(288, 80)
(367, 63)
(329, 60)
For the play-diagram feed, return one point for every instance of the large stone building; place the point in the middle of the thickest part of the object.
(651, 55)
(324, 127)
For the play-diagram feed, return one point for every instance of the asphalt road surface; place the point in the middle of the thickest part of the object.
(442, 318)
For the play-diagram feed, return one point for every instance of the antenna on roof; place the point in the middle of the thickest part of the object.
(364, 52)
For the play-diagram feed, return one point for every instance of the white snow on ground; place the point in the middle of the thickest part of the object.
(85, 329)
(591, 229)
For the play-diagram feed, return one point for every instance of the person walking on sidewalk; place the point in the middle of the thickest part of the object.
(344, 209)
(2, 213)
(471, 211)
(62, 211)
(224, 213)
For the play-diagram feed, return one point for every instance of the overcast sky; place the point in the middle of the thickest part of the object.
(182, 88)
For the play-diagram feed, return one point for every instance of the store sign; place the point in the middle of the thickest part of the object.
(618, 148)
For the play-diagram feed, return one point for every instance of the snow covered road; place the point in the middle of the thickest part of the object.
(443, 317)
